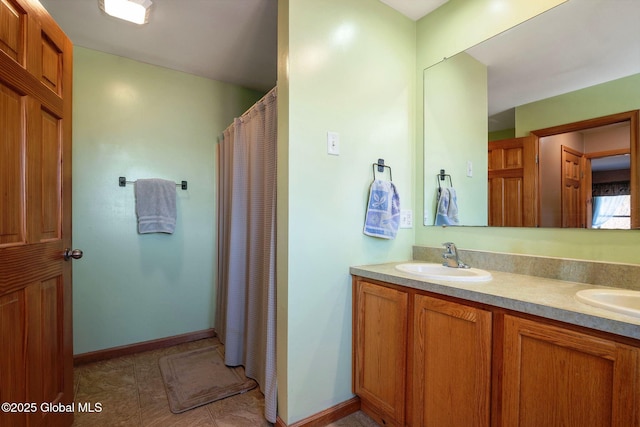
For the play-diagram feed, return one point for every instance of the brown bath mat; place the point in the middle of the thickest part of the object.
(198, 377)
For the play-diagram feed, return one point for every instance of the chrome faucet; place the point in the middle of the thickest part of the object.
(451, 258)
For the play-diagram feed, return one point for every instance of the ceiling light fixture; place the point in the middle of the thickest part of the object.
(136, 11)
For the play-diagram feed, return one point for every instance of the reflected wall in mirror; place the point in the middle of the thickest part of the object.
(457, 124)
(603, 80)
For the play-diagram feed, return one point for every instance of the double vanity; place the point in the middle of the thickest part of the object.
(511, 341)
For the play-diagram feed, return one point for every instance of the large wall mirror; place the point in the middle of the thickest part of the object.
(554, 99)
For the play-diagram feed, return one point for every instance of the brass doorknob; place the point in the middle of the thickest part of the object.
(75, 254)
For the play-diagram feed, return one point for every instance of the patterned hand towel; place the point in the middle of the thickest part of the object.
(155, 205)
(447, 210)
(383, 210)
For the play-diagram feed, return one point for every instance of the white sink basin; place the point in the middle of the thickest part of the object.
(618, 300)
(440, 272)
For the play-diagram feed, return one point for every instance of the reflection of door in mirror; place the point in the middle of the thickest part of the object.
(594, 186)
(512, 179)
(573, 198)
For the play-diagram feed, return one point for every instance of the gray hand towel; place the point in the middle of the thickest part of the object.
(155, 205)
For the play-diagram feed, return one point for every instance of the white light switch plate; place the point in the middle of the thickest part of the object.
(333, 143)
(406, 218)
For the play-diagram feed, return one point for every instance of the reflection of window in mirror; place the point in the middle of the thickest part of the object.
(611, 192)
(611, 212)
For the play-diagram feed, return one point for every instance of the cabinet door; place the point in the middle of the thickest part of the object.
(380, 351)
(451, 364)
(557, 377)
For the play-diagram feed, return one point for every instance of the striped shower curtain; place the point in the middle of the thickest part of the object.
(246, 285)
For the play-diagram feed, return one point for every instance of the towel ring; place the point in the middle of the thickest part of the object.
(441, 177)
(381, 167)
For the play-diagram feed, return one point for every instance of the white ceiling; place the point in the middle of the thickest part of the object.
(577, 44)
(414, 9)
(234, 41)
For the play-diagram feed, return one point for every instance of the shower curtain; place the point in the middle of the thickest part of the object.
(246, 294)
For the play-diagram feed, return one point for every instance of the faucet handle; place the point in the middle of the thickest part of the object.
(449, 246)
(450, 255)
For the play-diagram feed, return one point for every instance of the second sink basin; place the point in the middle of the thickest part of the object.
(619, 300)
(440, 272)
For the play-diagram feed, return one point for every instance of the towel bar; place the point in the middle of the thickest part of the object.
(122, 182)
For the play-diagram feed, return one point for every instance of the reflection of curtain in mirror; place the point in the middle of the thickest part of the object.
(621, 188)
(604, 208)
(606, 200)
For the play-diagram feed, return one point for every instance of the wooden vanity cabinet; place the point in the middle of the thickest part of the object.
(553, 376)
(421, 360)
(380, 348)
(447, 346)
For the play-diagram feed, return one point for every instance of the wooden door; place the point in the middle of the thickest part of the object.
(451, 379)
(36, 356)
(380, 346)
(573, 198)
(556, 377)
(512, 182)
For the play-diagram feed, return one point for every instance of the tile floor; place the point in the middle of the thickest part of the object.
(131, 392)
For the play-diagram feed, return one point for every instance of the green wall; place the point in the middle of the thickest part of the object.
(349, 68)
(502, 134)
(140, 121)
(600, 100)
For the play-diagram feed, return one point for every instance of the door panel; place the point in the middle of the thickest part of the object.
(44, 180)
(13, 19)
(51, 61)
(44, 378)
(12, 342)
(12, 167)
